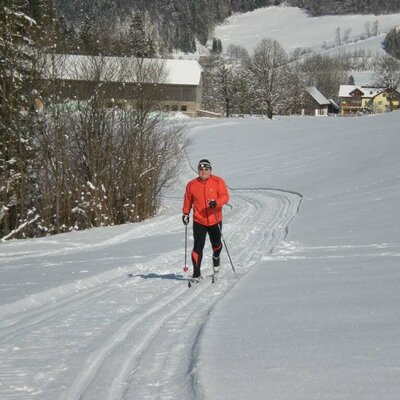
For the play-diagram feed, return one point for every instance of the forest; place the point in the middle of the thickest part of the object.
(179, 24)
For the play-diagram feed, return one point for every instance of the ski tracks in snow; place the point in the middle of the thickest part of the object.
(136, 336)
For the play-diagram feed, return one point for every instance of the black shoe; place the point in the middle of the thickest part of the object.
(215, 264)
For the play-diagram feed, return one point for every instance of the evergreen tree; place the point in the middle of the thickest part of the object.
(140, 43)
(392, 43)
(47, 33)
(88, 42)
(17, 148)
(68, 42)
(216, 46)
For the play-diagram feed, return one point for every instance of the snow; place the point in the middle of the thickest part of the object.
(183, 72)
(364, 78)
(312, 229)
(294, 28)
(345, 90)
(318, 96)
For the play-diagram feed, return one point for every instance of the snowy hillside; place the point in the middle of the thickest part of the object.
(293, 28)
(312, 313)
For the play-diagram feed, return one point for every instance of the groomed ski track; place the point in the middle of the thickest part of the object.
(134, 331)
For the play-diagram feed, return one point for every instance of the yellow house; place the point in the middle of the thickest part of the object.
(386, 100)
(358, 99)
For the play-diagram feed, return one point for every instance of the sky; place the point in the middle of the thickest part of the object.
(312, 312)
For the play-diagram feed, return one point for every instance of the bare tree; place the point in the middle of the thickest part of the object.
(97, 163)
(387, 74)
(324, 72)
(346, 35)
(268, 68)
(237, 55)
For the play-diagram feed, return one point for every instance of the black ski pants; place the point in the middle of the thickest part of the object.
(199, 235)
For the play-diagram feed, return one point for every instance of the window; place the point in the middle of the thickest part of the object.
(174, 107)
(183, 108)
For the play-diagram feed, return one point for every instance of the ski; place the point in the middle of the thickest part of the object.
(194, 280)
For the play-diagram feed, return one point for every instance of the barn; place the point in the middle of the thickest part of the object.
(173, 85)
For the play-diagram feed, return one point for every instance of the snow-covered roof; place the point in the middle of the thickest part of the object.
(183, 72)
(368, 91)
(122, 69)
(371, 91)
(318, 96)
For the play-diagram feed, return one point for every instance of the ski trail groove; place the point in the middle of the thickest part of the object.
(151, 378)
(139, 338)
(48, 313)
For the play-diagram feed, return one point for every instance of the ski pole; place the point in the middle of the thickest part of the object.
(223, 241)
(185, 268)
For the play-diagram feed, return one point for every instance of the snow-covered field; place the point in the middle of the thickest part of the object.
(293, 28)
(313, 313)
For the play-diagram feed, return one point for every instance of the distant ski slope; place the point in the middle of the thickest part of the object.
(293, 28)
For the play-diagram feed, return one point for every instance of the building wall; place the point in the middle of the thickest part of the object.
(183, 98)
(382, 104)
(312, 107)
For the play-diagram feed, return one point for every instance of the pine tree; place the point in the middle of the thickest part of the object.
(46, 34)
(17, 146)
(88, 42)
(140, 43)
(68, 42)
(392, 43)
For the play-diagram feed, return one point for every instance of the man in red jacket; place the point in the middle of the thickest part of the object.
(206, 195)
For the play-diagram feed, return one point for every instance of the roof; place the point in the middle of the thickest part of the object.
(318, 96)
(393, 91)
(184, 72)
(334, 104)
(122, 69)
(368, 91)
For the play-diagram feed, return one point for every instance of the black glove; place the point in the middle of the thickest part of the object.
(212, 203)
(185, 219)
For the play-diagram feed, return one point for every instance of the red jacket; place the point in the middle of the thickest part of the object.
(197, 195)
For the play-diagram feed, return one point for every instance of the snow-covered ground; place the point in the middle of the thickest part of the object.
(293, 28)
(313, 312)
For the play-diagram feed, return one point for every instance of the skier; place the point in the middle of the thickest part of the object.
(206, 194)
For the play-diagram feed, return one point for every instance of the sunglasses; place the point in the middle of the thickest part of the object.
(204, 169)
